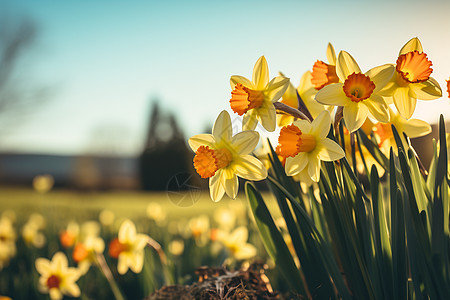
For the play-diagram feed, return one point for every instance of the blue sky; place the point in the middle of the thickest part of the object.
(106, 60)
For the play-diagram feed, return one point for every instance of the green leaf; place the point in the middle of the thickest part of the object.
(373, 149)
(273, 240)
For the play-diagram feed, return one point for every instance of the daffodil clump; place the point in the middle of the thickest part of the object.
(343, 153)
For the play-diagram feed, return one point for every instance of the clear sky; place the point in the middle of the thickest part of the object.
(106, 60)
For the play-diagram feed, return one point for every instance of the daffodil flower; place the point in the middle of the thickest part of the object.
(57, 278)
(222, 157)
(412, 128)
(448, 87)
(306, 91)
(357, 92)
(254, 99)
(324, 74)
(128, 248)
(84, 253)
(306, 144)
(236, 244)
(411, 79)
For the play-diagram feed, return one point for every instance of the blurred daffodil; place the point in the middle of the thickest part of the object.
(236, 243)
(225, 218)
(411, 79)
(7, 241)
(57, 278)
(156, 213)
(176, 247)
(254, 99)
(128, 248)
(448, 87)
(43, 183)
(357, 92)
(69, 236)
(306, 144)
(198, 227)
(84, 252)
(222, 157)
(412, 128)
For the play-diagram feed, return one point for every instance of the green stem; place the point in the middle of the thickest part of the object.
(162, 257)
(101, 262)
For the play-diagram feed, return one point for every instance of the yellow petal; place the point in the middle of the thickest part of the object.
(284, 120)
(304, 126)
(381, 75)
(260, 75)
(122, 264)
(329, 150)
(332, 94)
(268, 116)
(331, 55)
(295, 165)
(427, 90)
(346, 65)
(216, 188)
(137, 262)
(276, 88)
(377, 108)
(412, 45)
(55, 294)
(73, 290)
(235, 79)
(245, 142)
(290, 95)
(354, 116)
(314, 169)
(249, 121)
(222, 129)
(246, 251)
(59, 261)
(404, 103)
(239, 236)
(321, 125)
(250, 168)
(231, 187)
(127, 231)
(42, 266)
(416, 128)
(201, 140)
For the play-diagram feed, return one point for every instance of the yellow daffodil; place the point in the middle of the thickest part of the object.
(7, 241)
(448, 87)
(411, 79)
(357, 92)
(128, 248)
(225, 218)
(69, 236)
(254, 99)
(306, 91)
(57, 278)
(106, 217)
(412, 128)
(236, 243)
(84, 252)
(43, 183)
(306, 144)
(156, 213)
(176, 247)
(31, 231)
(222, 157)
(324, 74)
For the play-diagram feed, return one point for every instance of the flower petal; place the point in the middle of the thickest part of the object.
(231, 187)
(222, 129)
(201, 140)
(404, 103)
(277, 87)
(59, 261)
(268, 116)
(354, 116)
(249, 121)
(331, 55)
(295, 165)
(427, 90)
(329, 150)
(72, 290)
(412, 45)
(43, 266)
(122, 264)
(246, 251)
(250, 168)
(321, 125)
(314, 168)
(332, 94)
(346, 65)
(239, 235)
(235, 79)
(127, 231)
(260, 75)
(377, 108)
(304, 126)
(381, 75)
(137, 262)
(245, 142)
(416, 128)
(216, 186)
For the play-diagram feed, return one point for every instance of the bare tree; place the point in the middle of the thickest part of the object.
(17, 96)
